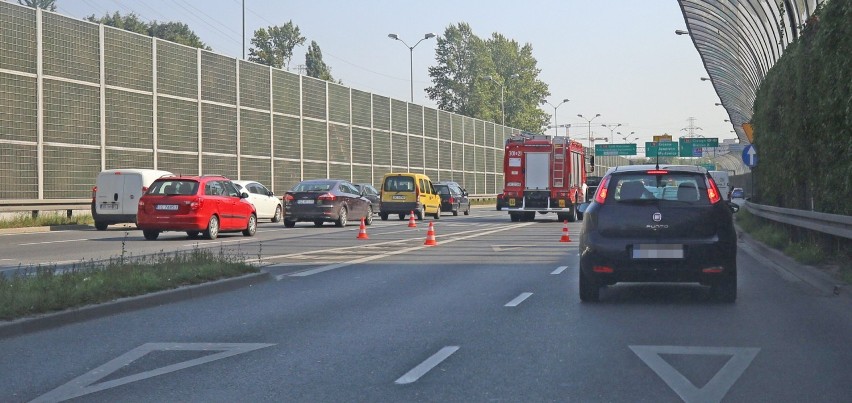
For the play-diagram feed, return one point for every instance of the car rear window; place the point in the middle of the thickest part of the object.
(173, 187)
(442, 189)
(313, 186)
(399, 184)
(673, 186)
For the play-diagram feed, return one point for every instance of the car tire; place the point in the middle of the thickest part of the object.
(341, 218)
(192, 234)
(318, 223)
(101, 226)
(212, 230)
(150, 234)
(419, 214)
(251, 228)
(402, 216)
(590, 290)
(456, 212)
(437, 214)
(277, 216)
(467, 210)
(368, 220)
(572, 216)
(289, 223)
(383, 216)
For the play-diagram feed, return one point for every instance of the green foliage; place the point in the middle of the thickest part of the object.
(177, 32)
(803, 118)
(273, 46)
(471, 72)
(43, 4)
(45, 290)
(44, 220)
(314, 64)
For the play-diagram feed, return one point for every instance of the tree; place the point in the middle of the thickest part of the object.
(524, 92)
(177, 32)
(314, 64)
(274, 45)
(44, 4)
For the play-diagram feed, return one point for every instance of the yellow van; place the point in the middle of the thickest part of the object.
(403, 193)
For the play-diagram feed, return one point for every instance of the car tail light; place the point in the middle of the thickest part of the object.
(602, 269)
(196, 204)
(600, 195)
(713, 270)
(288, 197)
(94, 193)
(326, 196)
(141, 203)
(657, 172)
(713, 191)
(451, 201)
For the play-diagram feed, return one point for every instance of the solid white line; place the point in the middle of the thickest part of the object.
(426, 366)
(559, 270)
(47, 242)
(520, 298)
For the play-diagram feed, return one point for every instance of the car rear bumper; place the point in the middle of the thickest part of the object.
(398, 207)
(173, 223)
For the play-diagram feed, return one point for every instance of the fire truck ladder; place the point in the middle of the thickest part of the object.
(559, 161)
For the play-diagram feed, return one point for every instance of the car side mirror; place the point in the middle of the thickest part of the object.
(582, 207)
(244, 195)
(733, 206)
(270, 193)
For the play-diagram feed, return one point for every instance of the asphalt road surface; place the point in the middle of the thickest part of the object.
(489, 314)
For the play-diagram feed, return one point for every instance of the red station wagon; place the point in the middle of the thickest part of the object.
(195, 204)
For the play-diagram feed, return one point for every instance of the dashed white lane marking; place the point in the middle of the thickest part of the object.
(426, 366)
(559, 270)
(714, 390)
(87, 383)
(520, 298)
(49, 242)
(397, 252)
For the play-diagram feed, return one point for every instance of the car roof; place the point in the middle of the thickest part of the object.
(245, 182)
(192, 177)
(648, 167)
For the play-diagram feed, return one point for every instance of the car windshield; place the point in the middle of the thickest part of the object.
(313, 186)
(681, 187)
(173, 187)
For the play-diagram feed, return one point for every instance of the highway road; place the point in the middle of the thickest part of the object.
(489, 314)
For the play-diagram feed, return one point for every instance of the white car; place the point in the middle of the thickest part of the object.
(267, 205)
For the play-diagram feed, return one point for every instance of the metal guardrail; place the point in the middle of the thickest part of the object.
(834, 224)
(35, 206)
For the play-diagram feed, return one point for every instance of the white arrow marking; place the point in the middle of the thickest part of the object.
(85, 384)
(426, 366)
(714, 390)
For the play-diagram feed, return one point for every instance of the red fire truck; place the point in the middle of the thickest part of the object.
(543, 174)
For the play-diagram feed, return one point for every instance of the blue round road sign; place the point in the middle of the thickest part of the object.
(750, 156)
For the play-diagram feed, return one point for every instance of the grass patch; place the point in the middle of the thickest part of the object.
(44, 289)
(44, 220)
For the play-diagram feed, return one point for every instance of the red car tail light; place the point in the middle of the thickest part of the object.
(657, 172)
(196, 204)
(451, 201)
(602, 269)
(600, 195)
(327, 196)
(288, 197)
(713, 270)
(713, 191)
(94, 193)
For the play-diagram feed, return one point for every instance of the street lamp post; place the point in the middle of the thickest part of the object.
(628, 138)
(411, 56)
(502, 102)
(590, 125)
(611, 128)
(555, 124)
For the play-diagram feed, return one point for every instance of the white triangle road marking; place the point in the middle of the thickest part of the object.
(713, 391)
(87, 383)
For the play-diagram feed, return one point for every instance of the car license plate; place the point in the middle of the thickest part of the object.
(169, 207)
(658, 251)
(305, 201)
(399, 197)
(106, 206)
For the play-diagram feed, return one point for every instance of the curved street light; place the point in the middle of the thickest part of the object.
(411, 55)
(611, 128)
(590, 126)
(627, 138)
(556, 125)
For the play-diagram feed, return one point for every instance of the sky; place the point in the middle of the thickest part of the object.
(617, 58)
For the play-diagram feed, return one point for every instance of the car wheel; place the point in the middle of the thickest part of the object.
(456, 212)
(101, 226)
(590, 290)
(383, 216)
(318, 223)
(277, 216)
(341, 218)
(192, 234)
(419, 214)
(437, 214)
(212, 230)
(150, 234)
(368, 220)
(402, 216)
(251, 229)
(289, 223)
(467, 210)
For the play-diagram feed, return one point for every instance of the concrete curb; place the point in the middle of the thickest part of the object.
(32, 230)
(48, 321)
(793, 271)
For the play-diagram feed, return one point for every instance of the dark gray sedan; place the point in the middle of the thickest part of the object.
(322, 200)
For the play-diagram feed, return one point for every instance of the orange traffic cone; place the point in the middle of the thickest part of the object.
(565, 237)
(411, 223)
(362, 232)
(430, 236)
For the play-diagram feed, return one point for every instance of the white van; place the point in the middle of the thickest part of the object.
(115, 197)
(721, 179)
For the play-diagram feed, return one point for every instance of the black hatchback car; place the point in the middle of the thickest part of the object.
(453, 197)
(658, 224)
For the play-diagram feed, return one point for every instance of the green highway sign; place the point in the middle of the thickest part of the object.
(661, 148)
(688, 145)
(615, 149)
(709, 167)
